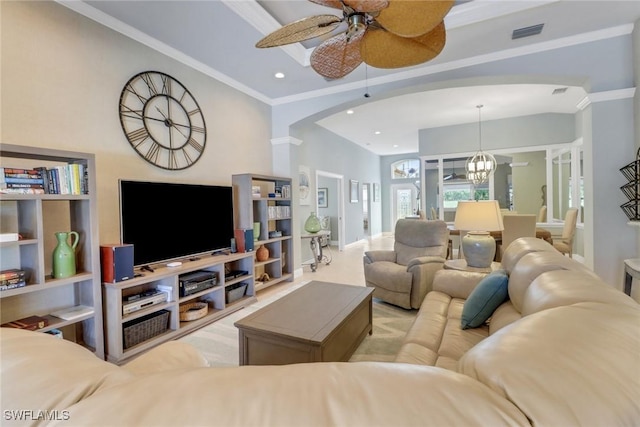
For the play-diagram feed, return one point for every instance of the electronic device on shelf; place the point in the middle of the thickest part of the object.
(235, 273)
(133, 303)
(197, 281)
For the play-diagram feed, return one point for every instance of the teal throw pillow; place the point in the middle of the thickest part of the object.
(484, 299)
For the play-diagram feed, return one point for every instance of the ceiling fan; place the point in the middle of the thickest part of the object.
(453, 175)
(381, 33)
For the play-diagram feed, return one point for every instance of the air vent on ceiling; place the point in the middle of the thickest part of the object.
(527, 31)
(559, 91)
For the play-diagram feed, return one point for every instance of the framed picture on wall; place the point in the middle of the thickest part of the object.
(323, 202)
(376, 192)
(353, 190)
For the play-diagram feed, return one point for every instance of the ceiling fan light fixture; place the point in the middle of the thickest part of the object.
(409, 33)
(481, 165)
(357, 25)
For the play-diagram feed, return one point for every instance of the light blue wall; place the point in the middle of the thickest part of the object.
(326, 151)
(602, 67)
(529, 131)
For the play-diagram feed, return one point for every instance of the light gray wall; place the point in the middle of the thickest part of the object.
(612, 240)
(600, 66)
(62, 75)
(326, 151)
(518, 132)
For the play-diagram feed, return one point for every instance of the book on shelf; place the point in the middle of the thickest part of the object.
(71, 178)
(7, 285)
(22, 191)
(72, 313)
(30, 323)
(13, 281)
(19, 173)
(45, 179)
(4, 185)
(9, 237)
(11, 180)
(12, 273)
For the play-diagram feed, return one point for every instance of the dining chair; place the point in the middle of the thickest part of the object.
(516, 226)
(565, 243)
(542, 214)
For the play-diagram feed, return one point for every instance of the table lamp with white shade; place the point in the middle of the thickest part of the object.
(479, 217)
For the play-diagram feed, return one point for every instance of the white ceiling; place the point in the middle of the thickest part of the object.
(218, 37)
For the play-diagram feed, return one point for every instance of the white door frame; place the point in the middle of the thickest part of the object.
(339, 190)
(394, 188)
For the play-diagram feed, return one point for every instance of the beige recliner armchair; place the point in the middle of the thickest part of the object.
(403, 276)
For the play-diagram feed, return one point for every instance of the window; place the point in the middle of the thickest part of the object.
(407, 168)
(455, 192)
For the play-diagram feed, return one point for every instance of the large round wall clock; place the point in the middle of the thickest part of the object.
(162, 120)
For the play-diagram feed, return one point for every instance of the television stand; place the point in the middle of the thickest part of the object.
(167, 279)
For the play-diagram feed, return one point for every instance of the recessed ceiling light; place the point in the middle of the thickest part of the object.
(279, 75)
(349, 111)
(377, 132)
(395, 145)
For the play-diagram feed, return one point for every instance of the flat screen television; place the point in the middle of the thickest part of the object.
(168, 221)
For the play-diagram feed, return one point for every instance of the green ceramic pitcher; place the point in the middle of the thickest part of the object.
(64, 255)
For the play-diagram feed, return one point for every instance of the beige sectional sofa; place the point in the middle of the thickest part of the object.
(564, 350)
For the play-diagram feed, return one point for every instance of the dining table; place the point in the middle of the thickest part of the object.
(541, 233)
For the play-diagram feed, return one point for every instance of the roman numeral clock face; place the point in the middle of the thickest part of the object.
(162, 120)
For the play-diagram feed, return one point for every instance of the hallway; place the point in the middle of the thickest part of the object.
(345, 267)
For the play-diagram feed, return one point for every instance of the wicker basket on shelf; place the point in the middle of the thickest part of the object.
(193, 311)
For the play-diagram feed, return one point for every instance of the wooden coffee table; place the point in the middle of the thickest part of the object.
(319, 322)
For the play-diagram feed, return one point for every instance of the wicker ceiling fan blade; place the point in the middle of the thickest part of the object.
(367, 6)
(382, 49)
(337, 57)
(336, 4)
(413, 18)
(303, 29)
(357, 5)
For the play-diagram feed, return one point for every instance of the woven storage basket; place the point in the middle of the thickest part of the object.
(193, 311)
(235, 292)
(144, 328)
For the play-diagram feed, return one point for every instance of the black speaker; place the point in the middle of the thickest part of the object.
(117, 262)
(248, 240)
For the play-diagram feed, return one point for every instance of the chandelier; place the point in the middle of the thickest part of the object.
(482, 165)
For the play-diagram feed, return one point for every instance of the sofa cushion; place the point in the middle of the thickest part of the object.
(504, 315)
(563, 287)
(484, 299)
(44, 373)
(520, 247)
(572, 365)
(533, 265)
(436, 337)
(301, 394)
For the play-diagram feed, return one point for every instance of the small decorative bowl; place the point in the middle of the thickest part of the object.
(193, 311)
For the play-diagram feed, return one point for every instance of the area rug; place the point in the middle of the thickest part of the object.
(218, 342)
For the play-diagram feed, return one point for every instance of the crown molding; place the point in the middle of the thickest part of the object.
(466, 62)
(258, 18)
(286, 140)
(464, 14)
(108, 21)
(612, 95)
